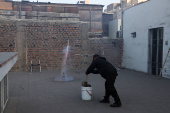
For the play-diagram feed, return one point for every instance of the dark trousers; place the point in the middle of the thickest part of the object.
(110, 89)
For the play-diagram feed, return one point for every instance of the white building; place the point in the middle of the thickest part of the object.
(147, 50)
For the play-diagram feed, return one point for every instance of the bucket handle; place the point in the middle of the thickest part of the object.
(88, 93)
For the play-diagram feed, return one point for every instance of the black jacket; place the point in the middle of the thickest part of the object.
(103, 67)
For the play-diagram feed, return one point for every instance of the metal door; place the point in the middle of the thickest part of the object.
(155, 50)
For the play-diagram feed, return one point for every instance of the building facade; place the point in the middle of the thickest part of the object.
(114, 28)
(86, 12)
(115, 8)
(146, 40)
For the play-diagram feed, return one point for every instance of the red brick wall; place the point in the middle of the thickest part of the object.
(46, 43)
(7, 36)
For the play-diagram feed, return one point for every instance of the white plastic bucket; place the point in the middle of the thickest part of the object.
(86, 93)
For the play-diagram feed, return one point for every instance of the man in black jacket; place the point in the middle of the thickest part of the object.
(108, 72)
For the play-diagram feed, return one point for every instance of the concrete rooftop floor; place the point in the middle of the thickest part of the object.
(39, 93)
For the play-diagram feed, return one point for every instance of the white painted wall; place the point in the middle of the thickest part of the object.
(141, 1)
(114, 26)
(6, 67)
(140, 18)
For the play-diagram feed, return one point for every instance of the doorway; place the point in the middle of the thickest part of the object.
(155, 50)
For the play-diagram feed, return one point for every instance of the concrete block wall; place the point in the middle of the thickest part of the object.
(10, 15)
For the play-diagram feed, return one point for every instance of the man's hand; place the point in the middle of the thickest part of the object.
(86, 77)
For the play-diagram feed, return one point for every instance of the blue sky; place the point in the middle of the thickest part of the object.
(102, 2)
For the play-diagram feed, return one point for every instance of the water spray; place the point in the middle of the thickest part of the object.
(63, 76)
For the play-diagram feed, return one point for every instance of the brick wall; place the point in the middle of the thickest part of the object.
(7, 36)
(111, 49)
(8, 33)
(46, 40)
(41, 40)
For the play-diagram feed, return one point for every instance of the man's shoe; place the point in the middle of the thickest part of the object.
(105, 101)
(116, 104)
